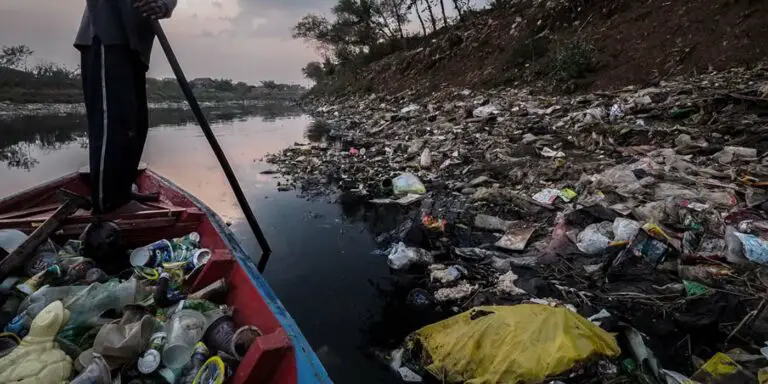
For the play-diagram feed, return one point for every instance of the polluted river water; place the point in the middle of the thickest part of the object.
(321, 268)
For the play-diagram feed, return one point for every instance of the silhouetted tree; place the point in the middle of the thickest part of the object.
(415, 6)
(442, 9)
(431, 14)
(314, 71)
(14, 56)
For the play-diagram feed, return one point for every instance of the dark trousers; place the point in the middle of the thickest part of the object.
(114, 86)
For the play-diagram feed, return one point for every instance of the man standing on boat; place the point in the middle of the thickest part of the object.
(115, 40)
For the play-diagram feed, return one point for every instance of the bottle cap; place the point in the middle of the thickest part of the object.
(149, 362)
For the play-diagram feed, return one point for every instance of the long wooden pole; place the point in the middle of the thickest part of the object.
(193, 104)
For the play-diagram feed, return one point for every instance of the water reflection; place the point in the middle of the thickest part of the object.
(23, 136)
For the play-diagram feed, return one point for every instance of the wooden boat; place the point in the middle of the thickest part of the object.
(280, 355)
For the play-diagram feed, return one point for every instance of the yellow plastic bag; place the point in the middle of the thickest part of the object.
(509, 344)
(722, 369)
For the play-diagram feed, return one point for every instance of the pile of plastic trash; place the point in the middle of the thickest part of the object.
(81, 315)
(644, 210)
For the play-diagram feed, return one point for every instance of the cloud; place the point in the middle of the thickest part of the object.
(280, 16)
(248, 40)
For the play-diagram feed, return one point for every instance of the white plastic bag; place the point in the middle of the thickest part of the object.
(625, 229)
(593, 240)
(401, 256)
(486, 111)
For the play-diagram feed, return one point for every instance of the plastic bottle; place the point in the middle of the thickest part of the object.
(150, 361)
(46, 295)
(197, 361)
(185, 247)
(164, 296)
(19, 325)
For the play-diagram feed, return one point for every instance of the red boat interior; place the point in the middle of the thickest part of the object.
(270, 359)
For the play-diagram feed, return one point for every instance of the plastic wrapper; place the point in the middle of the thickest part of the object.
(492, 223)
(625, 229)
(443, 275)
(402, 257)
(459, 292)
(408, 183)
(755, 248)
(620, 178)
(506, 284)
(486, 111)
(594, 238)
(722, 369)
(734, 251)
(547, 196)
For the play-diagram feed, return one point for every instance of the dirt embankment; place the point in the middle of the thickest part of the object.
(632, 42)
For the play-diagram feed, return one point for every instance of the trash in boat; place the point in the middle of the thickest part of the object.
(42, 309)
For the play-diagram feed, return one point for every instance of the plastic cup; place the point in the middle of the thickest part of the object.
(242, 340)
(95, 373)
(218, 336)
(8, 342)
(185, 329)
(153, 254)
(201, 256)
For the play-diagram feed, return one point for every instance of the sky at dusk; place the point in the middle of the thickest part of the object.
(245, 40)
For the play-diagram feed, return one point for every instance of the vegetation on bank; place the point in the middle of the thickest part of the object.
(361, 32)
(48, 82)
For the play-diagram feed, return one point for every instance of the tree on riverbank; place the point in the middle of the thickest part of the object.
(359, 32)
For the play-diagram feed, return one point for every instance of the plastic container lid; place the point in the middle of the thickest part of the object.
(149, 362)
(194, 236)
(139, 257)
(213, 371)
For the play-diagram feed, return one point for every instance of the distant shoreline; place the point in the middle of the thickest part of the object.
(75, 96)
(13, 110)
(58, 85)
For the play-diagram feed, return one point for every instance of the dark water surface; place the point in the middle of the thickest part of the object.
(321, 267)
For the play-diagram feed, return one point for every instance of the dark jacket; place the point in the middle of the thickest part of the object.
(118, 22)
